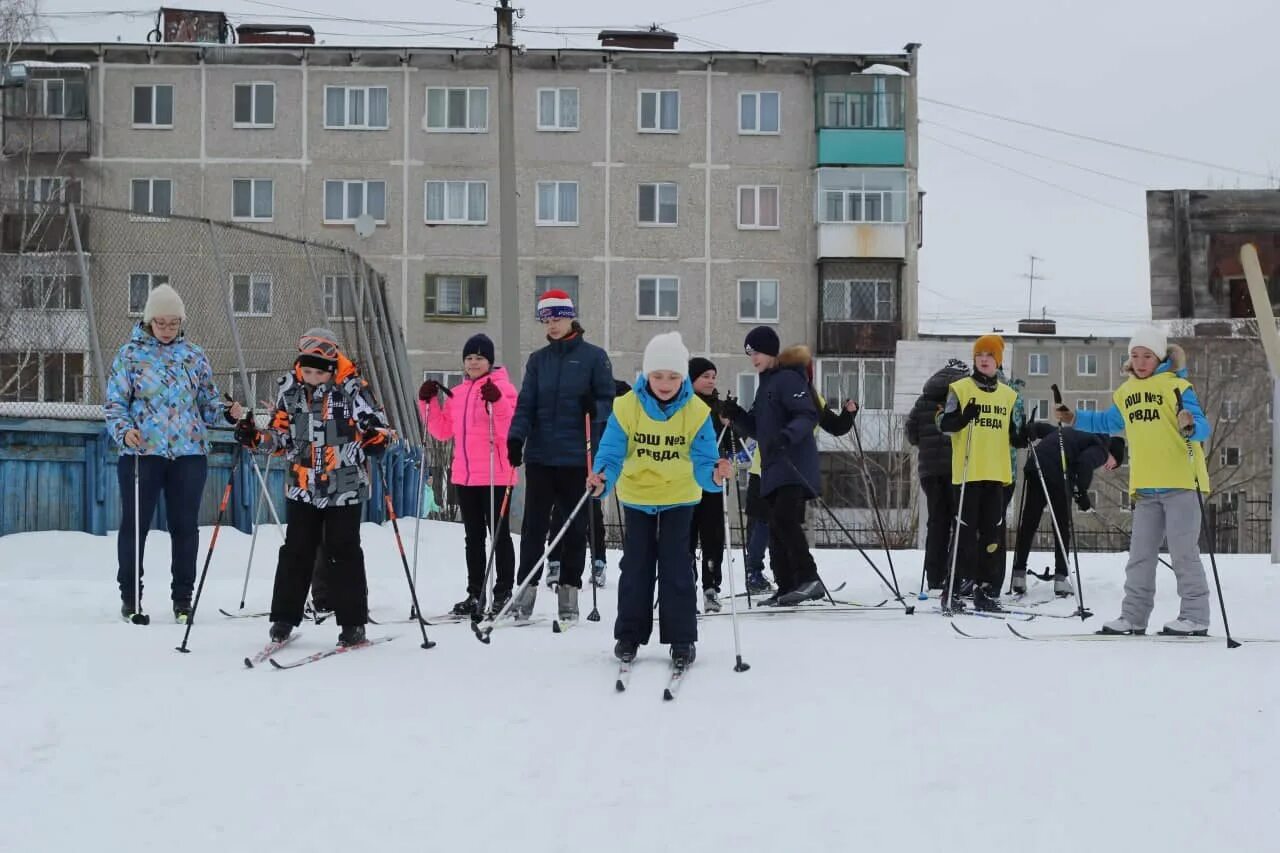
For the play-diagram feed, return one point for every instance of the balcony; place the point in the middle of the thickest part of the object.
(848, 146)
(42, 136)
(41, 232)
(856, 338)
(862, 240)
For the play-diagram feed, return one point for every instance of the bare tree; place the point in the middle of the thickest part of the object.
(19, 23)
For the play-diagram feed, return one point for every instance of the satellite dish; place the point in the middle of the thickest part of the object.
(365, 225)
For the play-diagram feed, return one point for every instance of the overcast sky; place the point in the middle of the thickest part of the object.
(1184, 77)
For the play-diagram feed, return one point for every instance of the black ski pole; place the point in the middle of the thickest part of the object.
(948, 595)
(594, 615)
(137, 617)
(1213, 561)
(875, 506)
(404, 558)
(1022, 510)
(217, 526)
(742, 522)
(1082, 611)
(1059, 541)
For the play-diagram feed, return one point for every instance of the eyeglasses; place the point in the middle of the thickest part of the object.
(166, 324)
(323, 347)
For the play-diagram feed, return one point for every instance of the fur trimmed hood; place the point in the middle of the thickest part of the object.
(1175, 361)
(795, 356)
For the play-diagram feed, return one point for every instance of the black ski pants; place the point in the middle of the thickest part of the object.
(941, 505)
(707, 527)
(789, 555)
(477, 515)
(656, 546)
(338, 529)
(1032, 510)
(597, 519)
(182, 481)
(980, 556)
(548, 488)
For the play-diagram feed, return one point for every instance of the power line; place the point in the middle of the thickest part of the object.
(725, 10)
(1035, 178)
(1099, 140)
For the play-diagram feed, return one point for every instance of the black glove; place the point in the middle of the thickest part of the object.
(971, 412)
(515, 452)
(1082, 501)
(489, 392)
(730, 409)
(428, 390)
(247, 432)
(228, 417)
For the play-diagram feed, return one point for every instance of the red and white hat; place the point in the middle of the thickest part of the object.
(555, 303)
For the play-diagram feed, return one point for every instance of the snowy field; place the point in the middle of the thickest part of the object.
(867, 731)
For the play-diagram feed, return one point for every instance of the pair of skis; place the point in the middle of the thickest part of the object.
(267, 654)
(1108, 638)
(674, 680)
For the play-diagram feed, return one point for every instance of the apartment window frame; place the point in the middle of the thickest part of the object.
(42, 189)
(151, 280)
(468, 286)
(658, 95)
(253, 284)
(255, 185)
(657, 188)
(755, 207)
(1037, 364)
(346, 218)
(1086, 405)
(153, 106)
(747, 399)
(446, 378)
(351, 104)
(445, 125)
(558, 203)
(150, 214)
(856, 202)
(1039, 409)
(570, 283)
(660, 284)
(855, 386)
(332, 295)
(883, 302)
(1230, 411)
(558, 124)
(757, 284)
(40, 89)
(254, 122)
(756, 111)
(35, 376)
(1226, 454)
(1086, 364)
(60, 291)
(448, 196)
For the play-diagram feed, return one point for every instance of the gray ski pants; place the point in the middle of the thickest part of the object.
(1176, 515)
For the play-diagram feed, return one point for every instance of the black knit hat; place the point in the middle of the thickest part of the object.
(763, 339)
(479, 345)
(698, 366)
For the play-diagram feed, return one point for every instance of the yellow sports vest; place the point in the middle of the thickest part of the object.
(755, 461)
(658, 470)
(1157, 451)
(989, 451)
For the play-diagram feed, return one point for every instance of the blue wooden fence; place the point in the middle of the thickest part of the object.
(61, 475)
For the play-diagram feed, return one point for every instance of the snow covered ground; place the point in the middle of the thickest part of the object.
(870, 732)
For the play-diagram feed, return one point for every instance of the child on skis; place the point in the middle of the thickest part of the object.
(325, 424)
(477, 417)
(978, 415)
(1161, 434)
(659, 451)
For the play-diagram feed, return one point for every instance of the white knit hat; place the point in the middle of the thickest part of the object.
(163, 301)
(1151, 337)
(666, 352)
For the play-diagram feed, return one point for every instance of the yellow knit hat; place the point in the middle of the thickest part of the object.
(991, 344)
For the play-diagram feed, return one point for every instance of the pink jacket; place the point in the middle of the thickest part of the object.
(463, 418)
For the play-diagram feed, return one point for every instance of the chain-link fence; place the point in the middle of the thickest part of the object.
(74, 281)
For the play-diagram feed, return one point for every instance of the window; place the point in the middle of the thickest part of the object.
(457, 110)
(456, 297)
(557, 109)
(356, 107)
(1038, 364)
(658, 204)
(51, 377)
(557, 203)
(1039, 409)
(447, 378)
(346, 200)
(758, 300)
(251, 294)
(19, 377)
(1086, 365)
(659, 111)
(1230, 410)
(47, 97)
(747, 385)
(1227, 365)
(867, 380)
(758, 113)
(757, 207)
(567, 283)
(457, 202)
(151, 197)
(876, 102)
(140, 286)
(857, 300)
(252, 198)
(1230, 456)
(657, 298)
(340, 295)
(1086, 405)
(39, 190)
(862, 195)
(50, 293)
(153, 106)
(255, 105)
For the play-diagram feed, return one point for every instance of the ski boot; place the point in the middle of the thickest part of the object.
(1018, 582)
(182, 612)
(625, 650)
(280, 631)
(1122, 626)
(567, 602)
(522, 609)
(986, 599)
(1184, 628)
(597, 574)
(757, 582)
(500, 600)
(711, 600)
(683, 654)
(469, 607)
(553, 574)
(351, 635)
(811, 591)
(951, 603)
(129, 613)
(1062, 586)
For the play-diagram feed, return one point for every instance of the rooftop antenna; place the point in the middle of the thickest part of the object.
(1032, 278)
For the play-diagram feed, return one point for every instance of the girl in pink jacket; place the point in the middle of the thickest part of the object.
(464, 416)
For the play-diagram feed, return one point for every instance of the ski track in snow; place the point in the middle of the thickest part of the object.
(872, 732)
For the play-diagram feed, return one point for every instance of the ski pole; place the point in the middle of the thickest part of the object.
(253, 540)
(417, 516)
(1059, 542)
(208, 557)
(483, 629)
(949, 596)
(875, 506)
(1082, 611)
(1213, 561)
(138, 617)
(404, 559)
(493, 519)
(1022, 506)
(594, 615)
(742, 522)
(493, 548)
(739, 664)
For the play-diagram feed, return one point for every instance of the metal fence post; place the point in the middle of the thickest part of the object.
(86, 294)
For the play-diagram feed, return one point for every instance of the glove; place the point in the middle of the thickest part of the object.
(588, 405)
(1082, 501)
(515, 452)
(1064, 416)
(247, 432)
(730, 410)
(971, 412)
(489, 392)
(1186, 423)
(428, 390)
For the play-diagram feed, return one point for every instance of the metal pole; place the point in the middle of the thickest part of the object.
(86, 296)
(510, 299)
